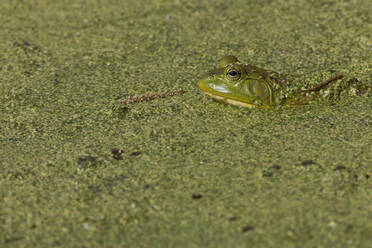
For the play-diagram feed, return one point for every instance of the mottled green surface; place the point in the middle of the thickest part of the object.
(194, 172)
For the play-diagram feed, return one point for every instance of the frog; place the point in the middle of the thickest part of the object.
(249, 86)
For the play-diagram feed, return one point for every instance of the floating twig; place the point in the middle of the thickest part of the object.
(279, 81)
(323, 84)
(150, 96)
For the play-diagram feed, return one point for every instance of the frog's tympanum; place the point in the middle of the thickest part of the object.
(249, 86)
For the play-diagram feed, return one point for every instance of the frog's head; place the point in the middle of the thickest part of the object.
(238, 84)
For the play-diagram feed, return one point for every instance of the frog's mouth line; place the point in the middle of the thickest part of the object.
(231, 101)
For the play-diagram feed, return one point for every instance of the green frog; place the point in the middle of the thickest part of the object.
(249, 86)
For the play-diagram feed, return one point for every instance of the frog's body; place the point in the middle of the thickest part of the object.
(249, 86)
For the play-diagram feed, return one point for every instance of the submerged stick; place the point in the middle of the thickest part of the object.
(150, 96)
(323, 84)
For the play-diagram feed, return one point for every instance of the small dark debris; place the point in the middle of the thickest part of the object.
(349, 228)
(147, 186)
(119, 177)
(50, 164)
(234, 218)
(307, 162)
(87, 162)
(122, 111)
(196, 196)
(26, 44)
(135, 154)
(367, 176)
(118, 157)
(56, 81)
(116, 153)
(340, 167)
(94, 188)
(267, 174)
(247, 228)
(68, 121)
(276, 167)
(35, 63)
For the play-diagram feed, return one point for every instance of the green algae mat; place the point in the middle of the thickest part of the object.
(106, 140)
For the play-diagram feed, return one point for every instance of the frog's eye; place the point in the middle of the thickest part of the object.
(233, 73)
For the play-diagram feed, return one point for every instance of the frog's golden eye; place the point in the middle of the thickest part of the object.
(233, 73)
